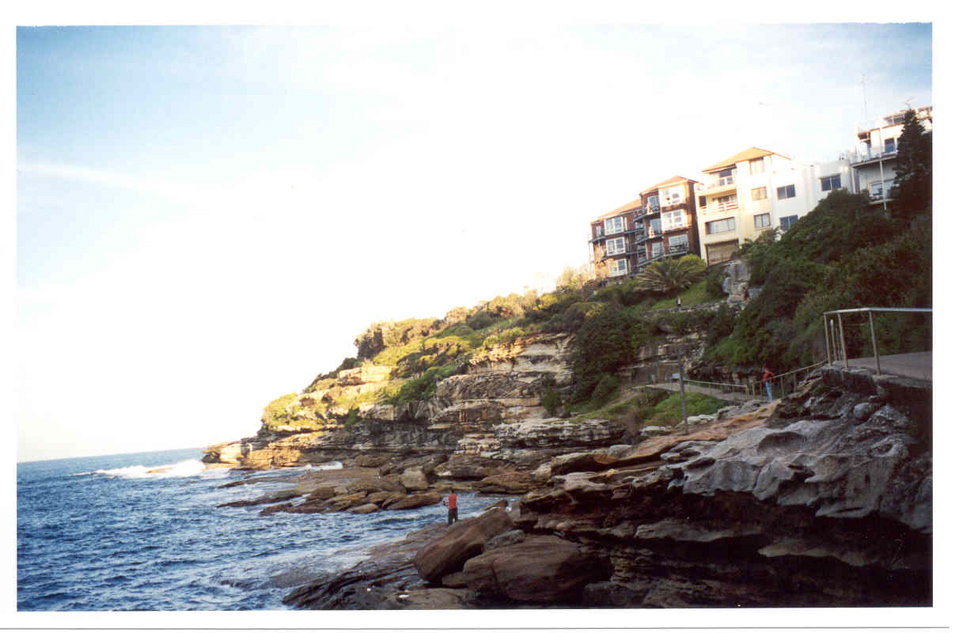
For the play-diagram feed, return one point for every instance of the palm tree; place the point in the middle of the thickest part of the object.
(671, 275)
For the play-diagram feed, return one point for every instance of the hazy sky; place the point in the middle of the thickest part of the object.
(207, 216)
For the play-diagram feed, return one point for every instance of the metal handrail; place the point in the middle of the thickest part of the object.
(837, 348)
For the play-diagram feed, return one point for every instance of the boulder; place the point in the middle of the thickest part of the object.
(511, 483)
(470, 467)
(414, 480)
(541, 569)
(461, 541)
(581, 462)
(366, 508)
(415, 501)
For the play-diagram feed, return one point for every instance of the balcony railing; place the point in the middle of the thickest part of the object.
(719, 182)
(864, 155)
(721, 207)
(675, 226)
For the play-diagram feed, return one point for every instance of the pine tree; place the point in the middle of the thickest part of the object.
(913, 189)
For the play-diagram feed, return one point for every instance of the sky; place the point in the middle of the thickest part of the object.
(206, 217)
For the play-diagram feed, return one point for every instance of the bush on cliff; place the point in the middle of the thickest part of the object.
(606, 342)
(843, 254)
(276, 413)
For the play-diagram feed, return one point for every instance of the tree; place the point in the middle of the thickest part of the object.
(671, 275)
(913, 188)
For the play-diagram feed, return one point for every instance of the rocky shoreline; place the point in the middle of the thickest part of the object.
(823, 499)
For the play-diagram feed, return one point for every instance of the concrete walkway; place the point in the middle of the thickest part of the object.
(917, 365)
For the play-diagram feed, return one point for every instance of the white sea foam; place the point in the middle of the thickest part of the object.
(186, 468)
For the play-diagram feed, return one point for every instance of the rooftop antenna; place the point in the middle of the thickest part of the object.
(907, 102)
(865, 107)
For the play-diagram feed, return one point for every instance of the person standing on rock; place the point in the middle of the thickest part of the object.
(452, 503)
(767, 377)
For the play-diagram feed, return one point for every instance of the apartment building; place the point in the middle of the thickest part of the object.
(613, 241)
(756, 190)
(660, 223)
(873, 161)
(667, 226)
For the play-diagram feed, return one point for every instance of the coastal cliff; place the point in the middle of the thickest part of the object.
(823, 498)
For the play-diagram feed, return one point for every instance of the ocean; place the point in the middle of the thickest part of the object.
(142, 532)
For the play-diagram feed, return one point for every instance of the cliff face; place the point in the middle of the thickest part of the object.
(463, 417)
(823, 499)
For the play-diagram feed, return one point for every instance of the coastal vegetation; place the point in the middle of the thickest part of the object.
(845, 253)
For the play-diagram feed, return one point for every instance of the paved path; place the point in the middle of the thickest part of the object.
(915, 365)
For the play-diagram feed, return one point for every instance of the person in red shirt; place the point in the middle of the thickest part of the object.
(452, 503)
(767, 377)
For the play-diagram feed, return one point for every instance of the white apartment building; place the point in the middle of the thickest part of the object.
(873, 161)
(756, 190)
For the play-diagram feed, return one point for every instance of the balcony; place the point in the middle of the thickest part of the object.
(721, 207)
(682, 226)
(872, 154)
(720, 184)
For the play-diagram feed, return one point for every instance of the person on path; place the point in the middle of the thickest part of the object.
(767, 377)
(452, 503)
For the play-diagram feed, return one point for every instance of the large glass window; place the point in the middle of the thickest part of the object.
(786, 223)
(757, 166)
(672, 196)
(761, 221)
(720, 226)
(614, 225)
(678, 243)
(789, 191)
(674, 220)
(760, 193)
(615, 246)
(831, 182)
(618, 267)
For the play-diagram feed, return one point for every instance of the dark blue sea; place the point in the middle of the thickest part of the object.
(107, 534)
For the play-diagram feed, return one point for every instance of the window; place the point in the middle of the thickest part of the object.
(678, 243)
(652, 202)
(789, 191)
(721, 226)
(889, 146)
(672, 196)
(757, 166)
(615, 247)
(761, 221)
(655, 227)
(674, 220)
(618, 267)
(831, 182)
(760, 193)
(656, 249)
(614, 225)
(786, 223)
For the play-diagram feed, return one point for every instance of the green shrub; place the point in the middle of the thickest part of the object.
(606, 342)
(551, 401)
(606, 389)
(275, 414)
